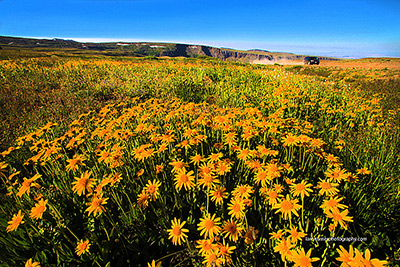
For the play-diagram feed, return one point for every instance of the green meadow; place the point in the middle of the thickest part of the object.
(145, 161)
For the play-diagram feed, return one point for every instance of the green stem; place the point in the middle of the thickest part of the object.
(118, 202)
(302, 212)
(208, 198)
(60, 218)
(169, 255)
(105, 230)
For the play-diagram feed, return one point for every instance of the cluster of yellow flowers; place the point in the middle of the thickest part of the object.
(184, 155)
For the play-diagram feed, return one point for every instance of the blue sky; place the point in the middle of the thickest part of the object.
(350, 28)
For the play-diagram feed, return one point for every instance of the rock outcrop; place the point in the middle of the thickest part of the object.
(184, 50)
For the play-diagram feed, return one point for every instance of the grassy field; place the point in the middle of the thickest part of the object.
(120, 161)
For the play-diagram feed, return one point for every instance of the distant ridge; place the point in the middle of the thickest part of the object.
(150, 49)
(259, 50)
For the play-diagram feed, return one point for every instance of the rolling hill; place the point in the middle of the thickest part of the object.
(141, 49)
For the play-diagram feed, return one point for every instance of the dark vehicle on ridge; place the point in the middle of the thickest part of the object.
(311, 61)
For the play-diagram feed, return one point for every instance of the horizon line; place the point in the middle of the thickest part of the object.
(219, 44)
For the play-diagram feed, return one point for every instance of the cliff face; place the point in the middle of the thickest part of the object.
(183, 50)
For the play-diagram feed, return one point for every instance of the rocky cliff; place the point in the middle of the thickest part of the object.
(184, 50)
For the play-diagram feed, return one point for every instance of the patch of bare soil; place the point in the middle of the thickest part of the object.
(367, 63)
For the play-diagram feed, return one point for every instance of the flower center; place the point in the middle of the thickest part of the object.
(326, 185)
(206, 246)
(236, 207)
(273, 168)
(262, 176)
(184, 178)
(208, 179)
(222, 168)
(286, 205)
(300, 187)
(332, 203)
(242, 190)
(206, 170)
(305, 261)
(176, 231)
(209, 224)
(273, 194)
(179, 165)
(151, 189)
